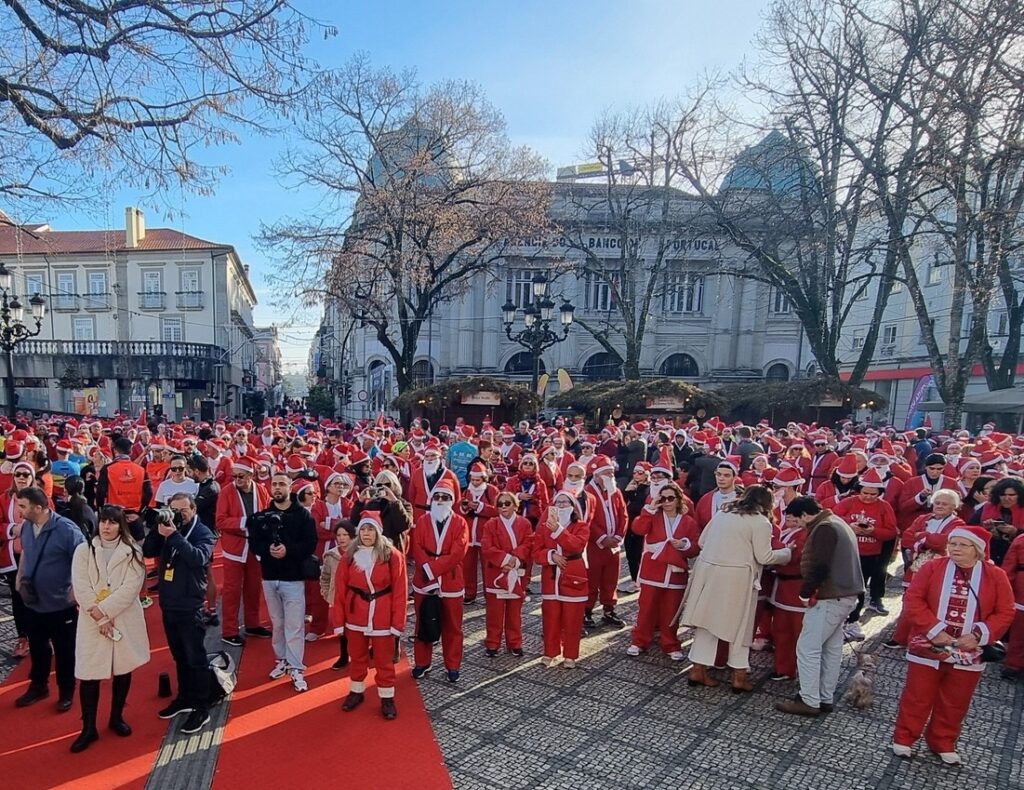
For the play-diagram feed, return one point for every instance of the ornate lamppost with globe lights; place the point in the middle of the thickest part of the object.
(537, 334)
(14, 329)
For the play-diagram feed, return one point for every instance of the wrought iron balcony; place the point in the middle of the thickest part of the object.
(151, 300)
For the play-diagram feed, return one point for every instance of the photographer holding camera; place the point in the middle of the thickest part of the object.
(184, 546)
(284, 538)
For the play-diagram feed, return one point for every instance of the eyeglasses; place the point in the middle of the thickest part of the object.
(668, 499)
(958, 545)
(442, 499)
(177, 468)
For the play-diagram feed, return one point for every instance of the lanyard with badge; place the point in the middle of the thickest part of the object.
(169, 566)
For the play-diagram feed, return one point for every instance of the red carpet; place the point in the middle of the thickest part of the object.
(277, 738)
(35, 740)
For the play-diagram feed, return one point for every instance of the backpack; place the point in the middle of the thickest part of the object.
(428, 619)
(222, 676)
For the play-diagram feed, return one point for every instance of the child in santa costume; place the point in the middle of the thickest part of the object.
(559, 548)
(439, 542)
(478, 506)
(958, 604)
(506, 544)
(670, 539)
(369, 609)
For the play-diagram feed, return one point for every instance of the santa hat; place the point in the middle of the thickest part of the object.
(478, 469)
(715, 424)
(871, 479)
(788, 476)
(601, 463)
(572, 499)
(847, 466)
(773, 445)
(24, 465)
(445, 486)
(582, 467)
(732, 462)
(244, 464)
(301, 485)
(294, 463)
(642, 466)
(64, 446)
(664, 464)
(371, 518)
(357, 457)
(979, 536)
(13, 450)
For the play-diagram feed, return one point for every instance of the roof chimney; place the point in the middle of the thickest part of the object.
(135, 226)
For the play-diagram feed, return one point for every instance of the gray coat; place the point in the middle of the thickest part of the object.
(53, 550)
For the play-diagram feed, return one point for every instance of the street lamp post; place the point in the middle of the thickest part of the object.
(13, 328)
(537, 334)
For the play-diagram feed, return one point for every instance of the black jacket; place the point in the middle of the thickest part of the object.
(298, 535)
(189, 558)
(395, 517)
(206, 502)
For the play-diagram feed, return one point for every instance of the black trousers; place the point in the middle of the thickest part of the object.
(18, 607)
(52, 635)
(870, 567)
(633, 545)
(877, 590)
(185, 638)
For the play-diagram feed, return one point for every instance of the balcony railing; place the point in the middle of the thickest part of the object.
(151, 300)
(65, 302)
(96, 301)
(115, 348)
(189, 300)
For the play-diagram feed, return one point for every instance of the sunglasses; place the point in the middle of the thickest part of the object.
(177, 468)
(442, 499)
(22, 474)
(668, 499)
(241, 476)
(507, 503)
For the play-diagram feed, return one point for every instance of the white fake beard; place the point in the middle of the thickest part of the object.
(440, 511)
(431, 467)
(477, 490)
(655, 488)
(609, 484)
(564, 516)
(573, 486)
(363, 558)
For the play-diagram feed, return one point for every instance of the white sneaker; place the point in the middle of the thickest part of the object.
(298, 680)
(949, 758)
(902, 751)
(311, 637)
(633, 650)
(853, 632)
(630, 587)
(569, 663)
(675, 655)
(546, 660)
(280, 670)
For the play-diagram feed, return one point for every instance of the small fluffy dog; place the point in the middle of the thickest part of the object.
(861, 692)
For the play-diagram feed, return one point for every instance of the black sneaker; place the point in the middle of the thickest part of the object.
(340, 664)
(260, 631)
(235, 640)
(588, 621)
(777, 676)
(196, 720)
(612, 619)
(879, 607)
(892, 644)
(32, 696)
(491, 652)
(172, 710)
(517, 652)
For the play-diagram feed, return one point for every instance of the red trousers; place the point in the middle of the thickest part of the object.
(658, 608)
(763, 619)
(562, 624)
(786, 627)
(243, 582)
(359, 645)
(944, 694)
(1015, 644)
(316, 607)
(902, 632)
(603, 577)
(504, 616)
(451, 634)
(471, 570)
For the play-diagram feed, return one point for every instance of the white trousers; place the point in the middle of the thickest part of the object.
(705, 646)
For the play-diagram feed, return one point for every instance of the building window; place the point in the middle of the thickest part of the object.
(934, 271)
(1001, 324)
(422, 373)
(190, 297)
(83, 328)
(171, 330)
(602, 366)
(684, 292)
(888, 347)
(67, 291)
(858, 340)
(34, 284)
(152, 295)
(777, 372)
(780, 302)
(522, 363)
(598, 293)
(519, 287)
(97, 298)
(679, 366)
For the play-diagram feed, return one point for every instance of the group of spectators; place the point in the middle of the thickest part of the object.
(756, 537)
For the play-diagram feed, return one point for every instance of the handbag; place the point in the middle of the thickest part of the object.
(995, 650)
(924, 556)
(310, 568)
(428, 619)
(27, 584)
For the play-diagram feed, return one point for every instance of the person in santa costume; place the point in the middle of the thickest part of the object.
(955, 606)
(670, 537)
(726, 490)
(369, 609)
(428, 476)
(243, 580)
(841, 483)
(327, 513)
(533, 496)
(873, 522)
(439, 542)
(478, 505)
(608, 525)
(560, 549)
(506, 543)
(636, 495)
(916, 492)
(1013, 565)
(786, 607)
(822, 463)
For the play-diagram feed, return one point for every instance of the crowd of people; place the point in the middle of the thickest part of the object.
(755, 537)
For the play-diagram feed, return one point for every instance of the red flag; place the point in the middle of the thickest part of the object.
(380, 419)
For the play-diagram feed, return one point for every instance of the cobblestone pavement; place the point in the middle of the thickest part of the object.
(621, 722)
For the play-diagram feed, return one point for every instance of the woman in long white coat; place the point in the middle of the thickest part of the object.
(107, 575)
(722, 597)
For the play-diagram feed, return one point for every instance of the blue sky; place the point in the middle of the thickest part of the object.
(551, 67)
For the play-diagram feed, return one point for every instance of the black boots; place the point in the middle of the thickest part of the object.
(89, 695)
(119, 693)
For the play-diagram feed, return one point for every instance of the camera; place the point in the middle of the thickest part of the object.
(154, 517)
(269, 524)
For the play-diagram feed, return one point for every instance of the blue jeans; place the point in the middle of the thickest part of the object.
(819, 650)
(286, 602)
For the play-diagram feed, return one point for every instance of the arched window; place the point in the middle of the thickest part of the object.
(602, 366)
(522, 363)
(680, 366)
(812, 370)
(777, 372)
(422, 373)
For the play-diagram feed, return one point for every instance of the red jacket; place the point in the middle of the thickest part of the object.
(913, 498)
(878, 514)
(1013, 565)
(419, 495)
(706, 507)
(785, 586)
(537, 508)
(325, 524)
(569, 585)
(820, 469)
(608, 518)
(478, 509)
(382, 616)
(662, 564)
(438, 558)
(500, 544)
(231, 521)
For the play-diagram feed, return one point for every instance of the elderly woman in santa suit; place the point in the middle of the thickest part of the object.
(370, 593)
(670, 538)
(722, 596)
(506, 542)
(955, 606)
(559, 548)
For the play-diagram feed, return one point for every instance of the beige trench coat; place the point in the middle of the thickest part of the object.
(96, 656)
(722, 595)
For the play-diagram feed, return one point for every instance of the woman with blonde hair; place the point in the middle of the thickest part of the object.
(722, 596)
(107, 574)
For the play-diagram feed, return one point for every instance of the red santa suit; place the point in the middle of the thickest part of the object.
(914, 495)
(663, 575)
(510, 455)
(505, 542)
(821, 465)
(1013, 565)
(711, 503)
(326, 516)
(420, 489)
(533, 508)
(370, 609)
(477, 507)
(8, 521)
(438, 552)
(563, 591)
(242, 577)
(551, 472)
(608, 523)
(787, 608)
(945, 598)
